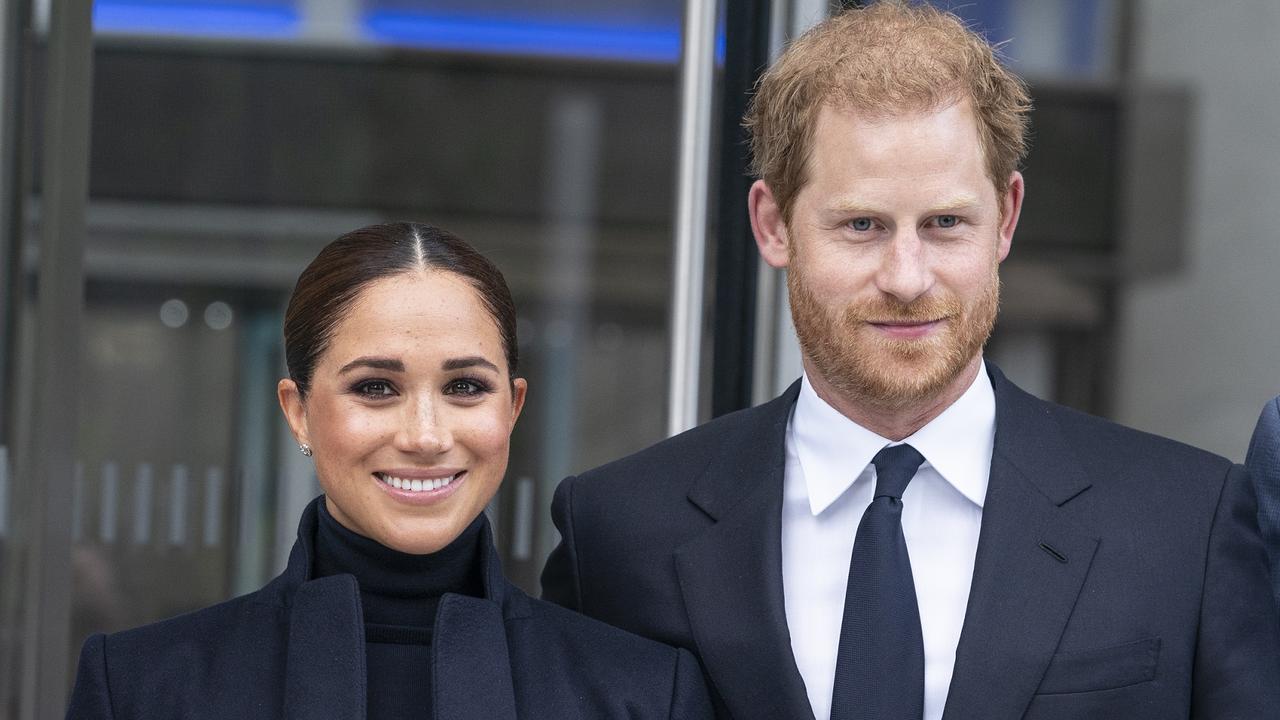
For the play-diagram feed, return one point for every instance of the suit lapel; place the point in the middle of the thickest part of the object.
(1031, 563)
(471, 668)
(325, 671)
(731, 574)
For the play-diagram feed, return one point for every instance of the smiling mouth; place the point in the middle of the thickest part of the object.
(907, 330)
(905, 323)
(417, 484)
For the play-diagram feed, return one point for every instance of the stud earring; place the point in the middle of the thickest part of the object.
(305, 449)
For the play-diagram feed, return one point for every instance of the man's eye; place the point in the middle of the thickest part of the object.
(948, 221)
(861, 224)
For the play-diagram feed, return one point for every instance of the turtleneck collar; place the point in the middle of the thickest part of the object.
(398, 588)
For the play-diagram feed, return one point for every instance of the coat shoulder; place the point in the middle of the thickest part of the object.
(1114, 446)
(221, 638)
(203, 625)
(596, 644)
(1264, 446)
(160, 669)
(670, 464)
(608, 672)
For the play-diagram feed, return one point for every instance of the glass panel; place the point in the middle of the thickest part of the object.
(1050, 38)
(150, 513)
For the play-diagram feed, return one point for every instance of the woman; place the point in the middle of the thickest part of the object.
(400, 342)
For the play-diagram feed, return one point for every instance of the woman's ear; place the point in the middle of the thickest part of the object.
(295, 410)
(519, 388)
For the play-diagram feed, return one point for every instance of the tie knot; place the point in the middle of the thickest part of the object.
(895, 466)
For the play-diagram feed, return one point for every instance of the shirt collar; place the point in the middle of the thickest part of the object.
(834, 451)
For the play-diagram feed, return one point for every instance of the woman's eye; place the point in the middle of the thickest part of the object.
(465, 387)
(861, 224)
(948, 221)
(375, 389)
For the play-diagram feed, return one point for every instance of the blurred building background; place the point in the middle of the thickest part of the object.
(144, 466)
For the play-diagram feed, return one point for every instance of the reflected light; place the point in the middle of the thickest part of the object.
(218, 315)
(464, 32)
(526, 36)
(218, 19)
(174, 313)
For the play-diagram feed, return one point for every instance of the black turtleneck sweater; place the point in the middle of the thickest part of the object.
(399, 594)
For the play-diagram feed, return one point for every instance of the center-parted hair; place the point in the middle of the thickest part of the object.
(887, 58)
(330, 285)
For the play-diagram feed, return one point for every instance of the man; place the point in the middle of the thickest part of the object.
(904, 533)
(1263, 462)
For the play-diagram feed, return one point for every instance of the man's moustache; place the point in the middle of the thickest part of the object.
(919, 311)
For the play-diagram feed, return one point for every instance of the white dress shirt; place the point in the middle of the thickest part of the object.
(829, 482)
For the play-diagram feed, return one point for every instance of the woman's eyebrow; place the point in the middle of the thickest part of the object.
(377, 363)
(469, 361)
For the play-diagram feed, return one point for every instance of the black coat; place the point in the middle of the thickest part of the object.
(296, 650)
(1118, 576)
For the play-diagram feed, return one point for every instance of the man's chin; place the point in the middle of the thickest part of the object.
(909, 375)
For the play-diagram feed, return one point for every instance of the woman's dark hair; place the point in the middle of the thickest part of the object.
(345, 267)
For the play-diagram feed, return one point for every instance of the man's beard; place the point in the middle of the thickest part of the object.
(865, 367)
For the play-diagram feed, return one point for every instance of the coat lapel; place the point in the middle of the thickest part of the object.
(470, 666)
(731, 574)
(1031, 563)
(325, 672)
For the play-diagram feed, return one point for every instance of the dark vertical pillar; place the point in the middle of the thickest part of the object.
(14, 186)
(47, 464)
(746, 54)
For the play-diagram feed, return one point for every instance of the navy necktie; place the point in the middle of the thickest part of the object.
(880, 664)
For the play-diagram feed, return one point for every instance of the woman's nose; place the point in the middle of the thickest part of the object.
(423, 430)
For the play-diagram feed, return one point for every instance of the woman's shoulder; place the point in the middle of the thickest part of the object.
(606, 670)
(206, 632)
(171, 667)
(555, 627)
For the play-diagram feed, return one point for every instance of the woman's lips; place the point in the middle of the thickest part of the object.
(418, 487)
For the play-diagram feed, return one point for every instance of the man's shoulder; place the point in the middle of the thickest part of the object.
(1110, 445)
(1264, 445)
(682, 457)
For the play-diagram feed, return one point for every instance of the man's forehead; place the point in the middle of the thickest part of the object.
(872, 205)
(873, 117)
(931, 141)
(875, 110)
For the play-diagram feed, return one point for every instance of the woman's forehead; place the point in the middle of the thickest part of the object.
(431, 312)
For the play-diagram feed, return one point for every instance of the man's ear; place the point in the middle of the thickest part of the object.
(768, 226)
(1010, 209)
(295, 411)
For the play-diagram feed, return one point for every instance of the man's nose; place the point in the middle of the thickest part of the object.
(904, 271)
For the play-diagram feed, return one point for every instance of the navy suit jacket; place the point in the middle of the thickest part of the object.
(1263, 462)
(295, 650)
(1118, 574)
